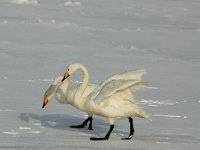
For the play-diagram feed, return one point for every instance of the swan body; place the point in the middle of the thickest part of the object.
(112, 98)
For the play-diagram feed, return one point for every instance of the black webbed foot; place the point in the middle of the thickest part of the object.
(98, 139)
(106, 136)
(77, 126)
(90, 128)
(127, 138)
(84, 124)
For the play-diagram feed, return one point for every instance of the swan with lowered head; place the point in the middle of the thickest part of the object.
(111, 98)
(64, 94)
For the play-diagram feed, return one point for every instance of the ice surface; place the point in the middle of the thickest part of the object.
(24, 128)
(39, 38)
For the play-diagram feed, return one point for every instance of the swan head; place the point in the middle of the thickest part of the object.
(51, 90)
(48, 95)
(70, 70)
(56, 89)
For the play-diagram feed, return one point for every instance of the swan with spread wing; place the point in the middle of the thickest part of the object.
(111, 99)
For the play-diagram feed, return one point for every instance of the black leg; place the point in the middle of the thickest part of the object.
(84, 124)
(106, 136)
(90, 125)
(131, 129)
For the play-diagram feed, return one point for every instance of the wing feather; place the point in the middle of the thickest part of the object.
(114, 86)
(128, 75)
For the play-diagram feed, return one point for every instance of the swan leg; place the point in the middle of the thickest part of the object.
(90, 124)
(131, 129)
(84, 124)
(106, 136)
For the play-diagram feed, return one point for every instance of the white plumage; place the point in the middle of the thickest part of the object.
(112, 98)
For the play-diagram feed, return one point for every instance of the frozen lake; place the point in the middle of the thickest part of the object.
(39, 38)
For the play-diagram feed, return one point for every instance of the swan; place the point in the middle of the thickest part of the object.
(64, 94)
(111, 98)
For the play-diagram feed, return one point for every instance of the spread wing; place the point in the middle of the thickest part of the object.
(128, 75)
(117, 79)
(114, 86)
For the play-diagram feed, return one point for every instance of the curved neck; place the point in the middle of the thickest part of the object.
(61, 91)
(55, 82)
(84, 84)
(79, 101)
(52, 88)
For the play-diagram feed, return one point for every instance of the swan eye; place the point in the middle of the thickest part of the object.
(68, 69)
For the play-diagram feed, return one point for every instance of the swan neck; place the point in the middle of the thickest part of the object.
(79, 101)
(84, 84)
(56, 80)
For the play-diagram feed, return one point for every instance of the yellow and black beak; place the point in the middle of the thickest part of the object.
(66, 75)
(45, 101)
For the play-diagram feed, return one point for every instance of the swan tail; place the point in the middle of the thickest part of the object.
(135, 110)
(139, 112)
(143, 114)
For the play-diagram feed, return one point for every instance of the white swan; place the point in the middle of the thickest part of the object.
(111, 98)
(64, 94)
